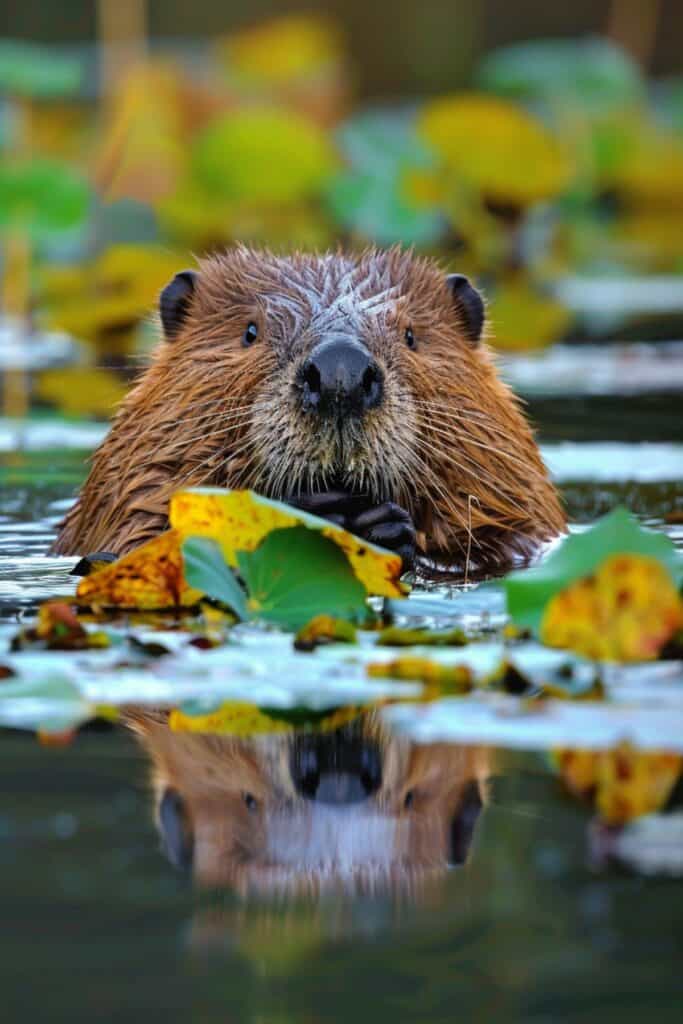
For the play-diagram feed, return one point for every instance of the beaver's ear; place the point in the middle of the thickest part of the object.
(177, 841)
(175, 300)
(464, 823)
(469, 304)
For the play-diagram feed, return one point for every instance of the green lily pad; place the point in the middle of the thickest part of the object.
(41, 197)
(293, 575)
(529, 590)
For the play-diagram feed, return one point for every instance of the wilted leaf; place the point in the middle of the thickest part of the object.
(623, 783)
(626, 611)
(262, 154)
(495, 147)
(150, 577)
(41, 197)
(529, 590)
(81, 390)
(239, 520)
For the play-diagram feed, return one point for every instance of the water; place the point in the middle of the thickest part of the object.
(327, 876)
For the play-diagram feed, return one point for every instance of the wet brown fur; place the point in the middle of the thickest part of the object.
(449, 441)
(248, 849)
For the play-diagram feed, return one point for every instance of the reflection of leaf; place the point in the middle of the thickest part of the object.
(523, 319)
(450, 679)
(41, 196)
(262, 155)
(626, 611)
(239, 521)
(622, 783)
(494, 147)
(592, 73)
(36, 71)
(149, 577)
(81, 391)
(529, 590)
(238, 718)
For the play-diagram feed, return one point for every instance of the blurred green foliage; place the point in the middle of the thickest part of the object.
(561, 160)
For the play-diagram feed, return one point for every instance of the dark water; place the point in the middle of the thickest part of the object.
(315, 899)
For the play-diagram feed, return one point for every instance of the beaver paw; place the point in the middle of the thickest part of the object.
(387, 525)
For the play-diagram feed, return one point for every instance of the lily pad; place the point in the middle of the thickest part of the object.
(529, 591)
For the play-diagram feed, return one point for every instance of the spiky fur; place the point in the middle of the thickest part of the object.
(448, 442)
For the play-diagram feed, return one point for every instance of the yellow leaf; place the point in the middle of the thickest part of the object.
(494, 146)
(81, 390)
(239, 521)
(449, 678)
(283, 49)
(627, 611)
(238, 718)
(622, 783)
(150, 577)
(523, 319)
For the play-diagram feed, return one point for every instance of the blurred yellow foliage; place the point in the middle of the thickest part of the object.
(283, 49)
(102, 301)
(495, 147)
(623, 783)
(627, 611)
(81, 390)
(523, 319)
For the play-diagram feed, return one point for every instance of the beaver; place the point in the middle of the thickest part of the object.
(357, 386)
(304, 811)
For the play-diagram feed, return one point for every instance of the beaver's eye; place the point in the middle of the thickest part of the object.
(250, 801)
(410, 338)
(250, 334)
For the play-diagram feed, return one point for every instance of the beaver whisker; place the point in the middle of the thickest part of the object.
(486, 447)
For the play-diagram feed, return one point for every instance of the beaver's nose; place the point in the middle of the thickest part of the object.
(340, 378)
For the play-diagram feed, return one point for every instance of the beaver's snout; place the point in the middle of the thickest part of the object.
(340, 378)
(336, 768)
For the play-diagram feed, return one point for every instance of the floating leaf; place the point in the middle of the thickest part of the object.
(626, 611)
(150, 577)
(205, 570)
(623, 783)
(268, 154)
(494, 147)
(529, 591)
(282, 50)
(381, 210)
(239, 520)
(41, 197)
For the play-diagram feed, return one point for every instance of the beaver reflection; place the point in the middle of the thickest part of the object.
(301, 812)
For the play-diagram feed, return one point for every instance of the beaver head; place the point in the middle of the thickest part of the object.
(343, 382)
(303, 812)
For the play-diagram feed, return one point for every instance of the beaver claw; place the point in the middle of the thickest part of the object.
(387, 525)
